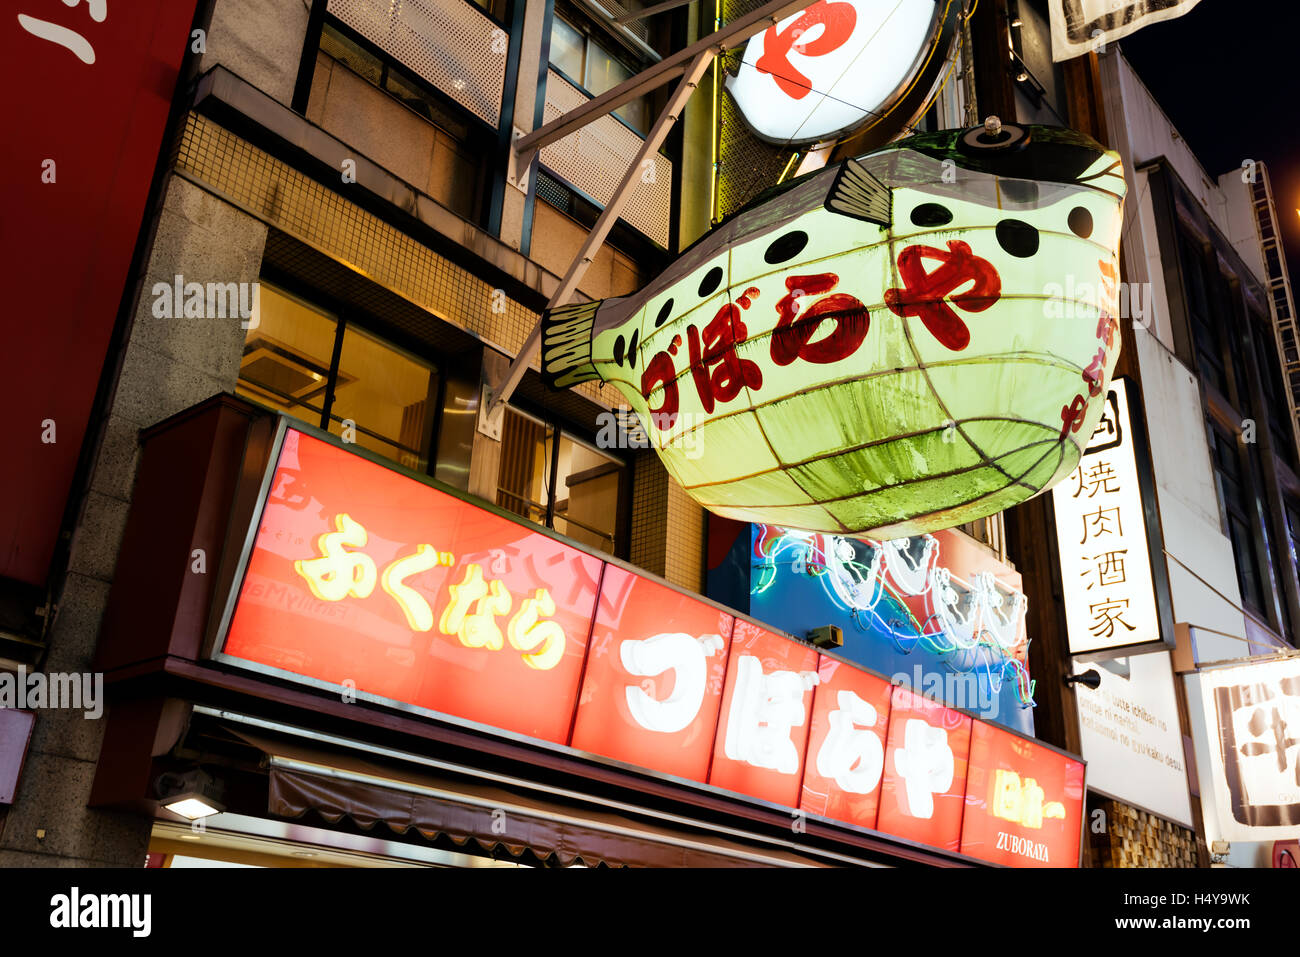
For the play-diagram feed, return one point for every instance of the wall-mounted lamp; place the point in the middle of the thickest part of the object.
(191, 794)
(1089, 679)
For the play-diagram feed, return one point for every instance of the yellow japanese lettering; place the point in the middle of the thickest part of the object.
(338, 572)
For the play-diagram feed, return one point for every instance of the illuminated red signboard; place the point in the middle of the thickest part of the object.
(763, 729)
(1023, 802)
(653, 685)
(372, 583)
(925, 771)
(846, 745)
(364, 578)
(87, 91)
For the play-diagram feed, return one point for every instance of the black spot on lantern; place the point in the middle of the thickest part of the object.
(1080, 222)
(786, 247)
(712, 279)
(1017, 238)
(665, 311)
(931, 214)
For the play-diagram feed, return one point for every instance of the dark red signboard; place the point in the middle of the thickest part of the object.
(87, 89)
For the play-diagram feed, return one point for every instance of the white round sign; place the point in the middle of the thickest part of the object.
(832, 66)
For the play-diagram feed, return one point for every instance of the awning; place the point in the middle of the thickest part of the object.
(337, 784)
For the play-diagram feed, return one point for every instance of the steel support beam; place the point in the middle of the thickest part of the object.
(689, 63)
(494, 406)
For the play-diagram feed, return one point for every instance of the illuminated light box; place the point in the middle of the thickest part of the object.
(835, 66)
(1101, 533)
(763, 729)
(846, 744)
(926, 757)
(1024, 802)
(938, 613)
(1252, 715)
(370, 584)
(653, 684)
(365, 579)
(893, 345)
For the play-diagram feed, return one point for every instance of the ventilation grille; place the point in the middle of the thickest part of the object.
(594, 159)
(447, 42)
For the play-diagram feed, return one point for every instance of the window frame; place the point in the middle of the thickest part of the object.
(480, 136)
(562, 427)
(346, 317)
(586, 31)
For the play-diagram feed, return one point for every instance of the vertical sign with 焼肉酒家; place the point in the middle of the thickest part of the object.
(1110, 602)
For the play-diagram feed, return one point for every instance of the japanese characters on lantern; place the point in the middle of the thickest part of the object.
(1101, 531)
(387, 589)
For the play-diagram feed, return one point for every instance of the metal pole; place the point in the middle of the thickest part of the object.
(598, 232)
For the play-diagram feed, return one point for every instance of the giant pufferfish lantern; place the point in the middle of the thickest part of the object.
(889, 346)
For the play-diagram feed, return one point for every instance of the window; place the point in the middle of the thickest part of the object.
(310, 364)
(1237, 507)
(458, 176)
(592, 66)
(1204, 328)
(552, 478)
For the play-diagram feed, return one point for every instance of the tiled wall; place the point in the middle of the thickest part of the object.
(1133, 838)
(667, 526)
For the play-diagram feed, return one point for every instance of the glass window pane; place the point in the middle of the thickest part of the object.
(636, 114)
(389, 396)
(524, 482)
(336, 45)
(587, 492)
(287, 353)
(603, 71)
(567, 46)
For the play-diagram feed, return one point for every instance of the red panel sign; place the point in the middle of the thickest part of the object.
(925, 771)
(763, 729)
(369, 581)
(1024, 802)
(846, 748)
(364, 578)
(653, 685)
(88, 90)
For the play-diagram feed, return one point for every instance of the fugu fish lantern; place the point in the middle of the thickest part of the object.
(889, 346)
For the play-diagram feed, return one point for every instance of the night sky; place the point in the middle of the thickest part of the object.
(1228, 75)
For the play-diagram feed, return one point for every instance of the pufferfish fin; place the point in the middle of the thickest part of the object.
(566, 344)
(855, 192)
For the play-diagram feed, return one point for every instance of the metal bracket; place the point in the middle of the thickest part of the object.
(490, 418)
(519, 165)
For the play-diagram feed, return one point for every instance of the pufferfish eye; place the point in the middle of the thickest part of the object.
(1080, 222)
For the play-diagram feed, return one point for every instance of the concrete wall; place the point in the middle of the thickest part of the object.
(169, 365)
(260, 40)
